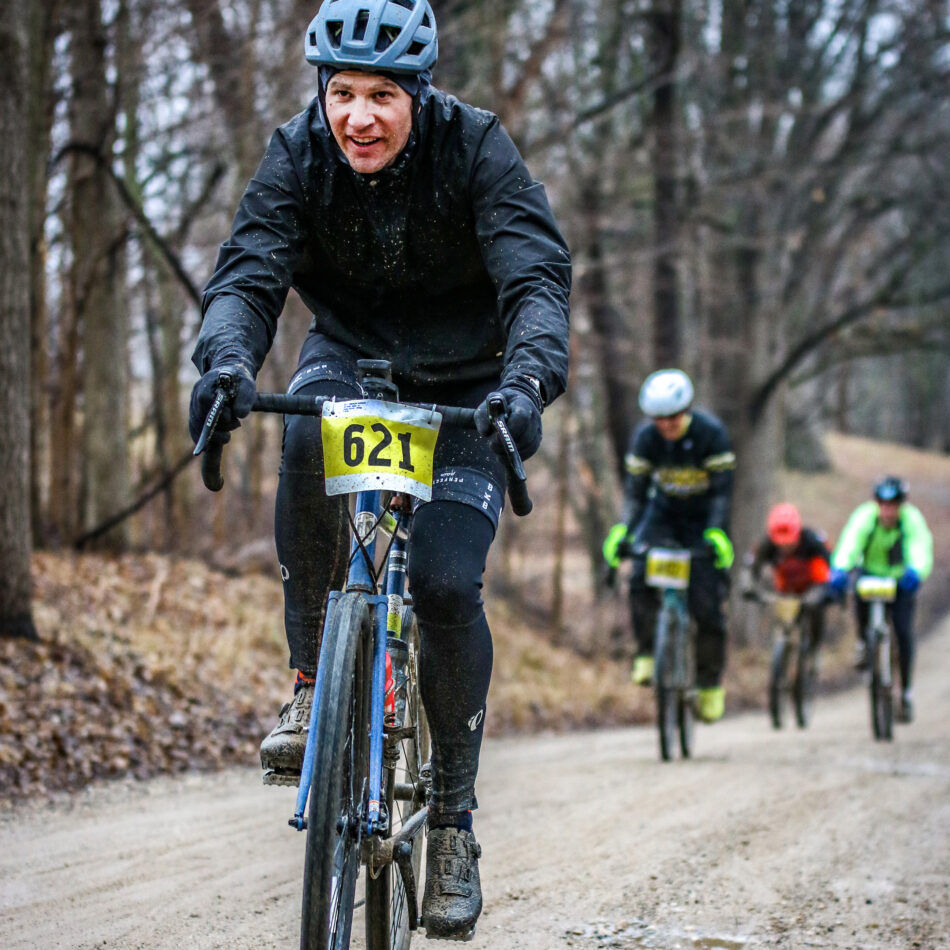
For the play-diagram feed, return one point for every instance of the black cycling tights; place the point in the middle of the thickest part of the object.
(450, 543)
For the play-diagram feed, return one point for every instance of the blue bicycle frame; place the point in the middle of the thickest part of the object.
(385, 609)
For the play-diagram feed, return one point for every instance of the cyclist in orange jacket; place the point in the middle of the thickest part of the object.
(799, 561)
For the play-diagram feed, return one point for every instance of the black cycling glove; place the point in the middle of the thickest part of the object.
(522, 398)
(203, 396)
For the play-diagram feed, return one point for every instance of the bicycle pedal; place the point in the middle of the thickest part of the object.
(281, 777)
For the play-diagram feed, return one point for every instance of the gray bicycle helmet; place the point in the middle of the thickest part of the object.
(666, 393)
(396, 36)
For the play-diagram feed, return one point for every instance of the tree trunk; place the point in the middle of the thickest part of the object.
(43, 25)
(16, 618)
(664, 43)
(99, 280)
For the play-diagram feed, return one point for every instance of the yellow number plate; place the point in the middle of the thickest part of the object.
(876, 588)
(786, 608)
(668, 568)
(369, 444)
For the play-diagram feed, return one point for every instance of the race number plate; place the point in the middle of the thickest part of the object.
(786, 608)
(369, 444)
(668, 568)
(876, 588)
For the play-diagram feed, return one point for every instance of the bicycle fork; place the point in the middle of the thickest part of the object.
(360, 578)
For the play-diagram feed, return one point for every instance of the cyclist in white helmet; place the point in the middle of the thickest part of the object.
(409, 225)
(678, 490)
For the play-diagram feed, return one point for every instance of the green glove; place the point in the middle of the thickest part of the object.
(722, 546)
(611, 549)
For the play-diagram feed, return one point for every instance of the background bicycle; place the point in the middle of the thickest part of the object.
(877, 592)
(668, 570)
(793, 667)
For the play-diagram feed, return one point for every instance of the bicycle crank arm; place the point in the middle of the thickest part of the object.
(403, 856)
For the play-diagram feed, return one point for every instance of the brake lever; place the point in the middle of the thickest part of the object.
(225, 392)
(521, 503)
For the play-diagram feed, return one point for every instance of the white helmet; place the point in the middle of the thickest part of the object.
(665, 393)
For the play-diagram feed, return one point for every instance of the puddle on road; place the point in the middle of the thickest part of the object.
(642, 936)
(887, 766)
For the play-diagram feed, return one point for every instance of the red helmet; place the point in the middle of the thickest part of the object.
(784, 524)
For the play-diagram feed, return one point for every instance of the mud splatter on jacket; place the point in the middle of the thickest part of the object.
(687, 480)
(449, 262)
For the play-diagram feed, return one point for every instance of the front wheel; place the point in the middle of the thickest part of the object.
(882, 696)
(338, 792)
(685, 693)
(667, 706)
(777, 680)
(806, 680)
(388, 907)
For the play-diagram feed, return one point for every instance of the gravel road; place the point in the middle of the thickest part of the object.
(794, 839)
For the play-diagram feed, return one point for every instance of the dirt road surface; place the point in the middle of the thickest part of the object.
(821, 838)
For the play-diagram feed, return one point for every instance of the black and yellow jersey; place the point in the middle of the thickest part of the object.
(687, 479)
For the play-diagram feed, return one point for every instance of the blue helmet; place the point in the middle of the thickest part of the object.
(891, 488)
(397, 36)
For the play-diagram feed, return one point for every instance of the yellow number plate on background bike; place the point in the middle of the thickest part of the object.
(876, 588)
(369, 444)
(786, 608)
(668, 568)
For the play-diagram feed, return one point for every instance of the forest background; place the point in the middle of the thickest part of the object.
(753, 190)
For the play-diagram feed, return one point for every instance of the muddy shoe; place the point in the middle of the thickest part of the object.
(453, 894)
(282, 751)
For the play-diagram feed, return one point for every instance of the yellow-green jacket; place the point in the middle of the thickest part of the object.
(885, 552)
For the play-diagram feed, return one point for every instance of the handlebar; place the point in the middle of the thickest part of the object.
(301, 405)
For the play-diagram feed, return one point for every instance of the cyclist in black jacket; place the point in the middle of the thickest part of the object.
(678, 490)
(409, 225)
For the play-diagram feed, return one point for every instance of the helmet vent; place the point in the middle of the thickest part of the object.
(359, 28)
(384, 40)
(416, 48)
(335, 32)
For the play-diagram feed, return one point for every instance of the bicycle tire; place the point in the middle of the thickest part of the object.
(882, 696)
(338, 791)
(778, 671)
(806, 679)
(667, 623)
(685, 715)
(387, 920)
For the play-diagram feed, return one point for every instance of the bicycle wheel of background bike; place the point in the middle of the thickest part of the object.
(666, 695)
(338, 792)
(387, 908)
(777, 681)
(882, 698)
(806, 681)
(684, 711)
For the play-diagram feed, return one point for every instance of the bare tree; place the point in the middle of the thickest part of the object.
(16, 618)
(97, 238)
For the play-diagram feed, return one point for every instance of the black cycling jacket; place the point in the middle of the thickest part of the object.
(688, 480)
(448, 263)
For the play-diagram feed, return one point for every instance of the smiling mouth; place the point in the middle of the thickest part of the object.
(364, 143)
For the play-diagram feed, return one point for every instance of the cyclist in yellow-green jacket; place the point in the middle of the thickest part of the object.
(887, 537)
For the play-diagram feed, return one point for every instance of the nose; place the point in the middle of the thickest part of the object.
(361, 113)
